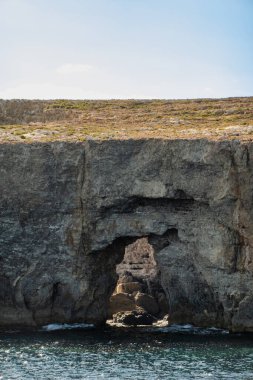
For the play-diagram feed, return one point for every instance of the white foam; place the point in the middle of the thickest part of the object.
(187, 328)
(66, 326)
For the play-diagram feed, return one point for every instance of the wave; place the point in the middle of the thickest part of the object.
(66, 326)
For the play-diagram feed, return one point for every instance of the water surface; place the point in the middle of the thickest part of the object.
(111, 353)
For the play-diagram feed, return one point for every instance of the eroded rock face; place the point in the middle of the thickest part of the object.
(139, 279)
(69, 210)
(139, 261)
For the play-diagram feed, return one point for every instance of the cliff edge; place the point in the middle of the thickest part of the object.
(68, 210)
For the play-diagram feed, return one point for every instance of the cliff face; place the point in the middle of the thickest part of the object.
(68, 210)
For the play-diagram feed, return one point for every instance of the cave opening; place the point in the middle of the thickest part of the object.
(138, 297)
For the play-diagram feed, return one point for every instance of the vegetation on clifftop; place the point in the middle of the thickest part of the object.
(76, 120)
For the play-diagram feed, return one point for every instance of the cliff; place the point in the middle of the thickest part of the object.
(69, 209)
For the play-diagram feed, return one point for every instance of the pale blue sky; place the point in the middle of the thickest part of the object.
(126, 48)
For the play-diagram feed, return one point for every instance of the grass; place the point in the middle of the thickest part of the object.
(75, 120)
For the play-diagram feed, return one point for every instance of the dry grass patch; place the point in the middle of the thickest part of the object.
(75, 120)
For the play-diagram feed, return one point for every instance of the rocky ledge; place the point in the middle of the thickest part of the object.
(68, 211)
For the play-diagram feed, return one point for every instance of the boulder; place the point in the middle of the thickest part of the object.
(121, 302)
(147, 303)
(134, 318)
(163, 322)
(129, 287)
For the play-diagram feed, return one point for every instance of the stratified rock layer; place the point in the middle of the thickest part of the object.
(139, 262)
(68, 210)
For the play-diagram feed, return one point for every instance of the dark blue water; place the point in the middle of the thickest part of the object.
(111, 353)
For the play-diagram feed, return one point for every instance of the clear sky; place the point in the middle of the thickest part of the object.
(126, 48)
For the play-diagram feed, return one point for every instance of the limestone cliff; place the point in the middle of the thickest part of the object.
(68, 210)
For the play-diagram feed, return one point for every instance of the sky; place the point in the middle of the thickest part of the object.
(108, 49)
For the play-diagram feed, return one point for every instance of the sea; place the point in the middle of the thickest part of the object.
(84, 352)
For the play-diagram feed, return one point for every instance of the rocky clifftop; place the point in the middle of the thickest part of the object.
(68, 210)
(77, 120)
